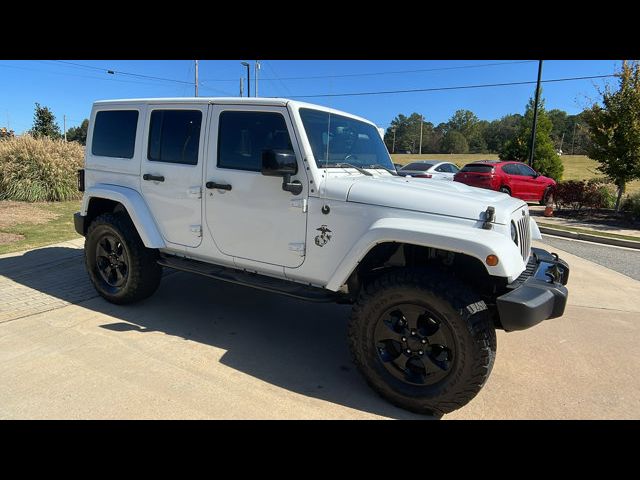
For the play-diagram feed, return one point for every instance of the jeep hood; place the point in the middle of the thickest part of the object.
(424, 195)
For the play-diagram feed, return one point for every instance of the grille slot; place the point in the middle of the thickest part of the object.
(524, 236)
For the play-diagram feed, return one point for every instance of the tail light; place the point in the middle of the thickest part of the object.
(81, 180)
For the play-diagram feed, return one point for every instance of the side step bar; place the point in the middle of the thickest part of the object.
(254, 280)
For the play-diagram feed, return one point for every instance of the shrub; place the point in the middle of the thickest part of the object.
(578, 194)
(40, 169)
(631, 205)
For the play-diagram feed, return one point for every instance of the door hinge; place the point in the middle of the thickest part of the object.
(196, 230)
(298, 248)
(195, 192)
(299, 203)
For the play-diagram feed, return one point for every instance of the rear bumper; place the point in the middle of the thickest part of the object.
(538, 294)
(78, 223)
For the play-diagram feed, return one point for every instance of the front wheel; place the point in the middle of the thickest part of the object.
(546, 196)
(422, 340)
(505, 190)
(120, 267)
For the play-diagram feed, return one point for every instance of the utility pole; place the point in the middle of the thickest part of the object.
(257, 67)
(535, 115)
(561, 142)
(421, 122)
(393, 148)
(241, 87)
(196, 71)
(246, 64)
(573, 138)
(64, 123)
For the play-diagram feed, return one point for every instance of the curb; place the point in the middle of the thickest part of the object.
(590, 238)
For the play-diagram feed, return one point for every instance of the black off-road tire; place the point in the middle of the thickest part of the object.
(143, 273)
(505, 190)
(461, 309)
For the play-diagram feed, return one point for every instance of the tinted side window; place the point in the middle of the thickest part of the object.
(443, 168)
(174, 136)
(526, 170)
(114, 133)
(452, 168)
(418, 166)
(511, 169)
(242, 136)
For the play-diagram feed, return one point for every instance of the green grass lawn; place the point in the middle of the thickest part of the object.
(57, 229)
(576, 167)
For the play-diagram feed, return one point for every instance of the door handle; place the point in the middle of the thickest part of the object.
(154, 178)
(218, 186)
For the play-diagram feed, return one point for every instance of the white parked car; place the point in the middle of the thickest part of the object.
(303, 200)
(430, 169)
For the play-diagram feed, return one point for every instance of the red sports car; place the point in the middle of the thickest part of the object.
(513, 178)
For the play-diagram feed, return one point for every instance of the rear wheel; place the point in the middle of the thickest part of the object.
(505, 190)
(120, 267)
(422, 340)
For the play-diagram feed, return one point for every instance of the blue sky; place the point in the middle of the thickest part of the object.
(71, 89)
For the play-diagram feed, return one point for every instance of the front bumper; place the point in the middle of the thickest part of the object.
(539, 293)
(78, 223)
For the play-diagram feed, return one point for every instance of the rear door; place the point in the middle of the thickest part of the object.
(171, 170)
(516, 181)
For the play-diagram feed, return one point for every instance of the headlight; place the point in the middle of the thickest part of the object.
(514, 233)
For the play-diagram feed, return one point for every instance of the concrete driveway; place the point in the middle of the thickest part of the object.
(204, 349)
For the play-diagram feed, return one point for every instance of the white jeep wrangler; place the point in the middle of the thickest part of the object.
(304, 201)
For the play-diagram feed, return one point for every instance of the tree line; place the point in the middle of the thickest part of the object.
(466, 133)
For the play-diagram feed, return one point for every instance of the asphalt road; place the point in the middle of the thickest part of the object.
(622, 260)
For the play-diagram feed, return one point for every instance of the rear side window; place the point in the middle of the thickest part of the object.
(511, 169)
(476, 168)
(242, 137)
(174, 136)
(114, 133)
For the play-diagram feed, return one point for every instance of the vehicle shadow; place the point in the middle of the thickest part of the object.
(293, 344)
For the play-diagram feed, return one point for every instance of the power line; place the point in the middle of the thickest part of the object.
(437, 89)
(111, 71)
(84, 76)
(281, 83)
(421, 70)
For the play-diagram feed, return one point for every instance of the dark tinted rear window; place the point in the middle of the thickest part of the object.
(174, 136)
(114, 133)
(477, 168)
(419, 166)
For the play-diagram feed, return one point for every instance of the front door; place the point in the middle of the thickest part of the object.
(248, 214)
(171, 170)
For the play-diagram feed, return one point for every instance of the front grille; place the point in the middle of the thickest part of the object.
(524, 235)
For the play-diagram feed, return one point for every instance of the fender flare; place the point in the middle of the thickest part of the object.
(474, 242)
(136, 208)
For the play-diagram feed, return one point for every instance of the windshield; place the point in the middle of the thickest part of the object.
(338, 140)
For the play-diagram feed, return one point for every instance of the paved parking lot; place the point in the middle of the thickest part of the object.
(204, 349)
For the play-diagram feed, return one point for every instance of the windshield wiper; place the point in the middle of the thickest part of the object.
(377, 165)
(361, 170)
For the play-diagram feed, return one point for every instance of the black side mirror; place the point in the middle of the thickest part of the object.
(282, 163)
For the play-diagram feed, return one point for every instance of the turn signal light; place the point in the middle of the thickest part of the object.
(492, 260)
